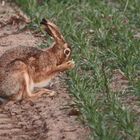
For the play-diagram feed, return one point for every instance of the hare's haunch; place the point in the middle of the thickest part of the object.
(24, 68)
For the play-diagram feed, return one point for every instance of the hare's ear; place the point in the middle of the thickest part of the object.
(53, 31)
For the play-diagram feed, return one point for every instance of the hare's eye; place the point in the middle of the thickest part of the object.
(67, 51)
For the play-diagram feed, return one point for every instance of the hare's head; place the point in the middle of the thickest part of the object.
(61, 46)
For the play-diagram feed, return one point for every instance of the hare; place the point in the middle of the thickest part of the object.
(22, 69)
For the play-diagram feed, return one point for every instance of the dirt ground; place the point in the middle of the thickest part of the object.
(43, 119)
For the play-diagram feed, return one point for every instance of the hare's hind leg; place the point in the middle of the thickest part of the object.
(11, 82)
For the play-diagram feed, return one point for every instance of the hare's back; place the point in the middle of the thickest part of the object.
(18, 53)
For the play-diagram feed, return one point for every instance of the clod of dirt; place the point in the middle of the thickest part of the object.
(74, 112)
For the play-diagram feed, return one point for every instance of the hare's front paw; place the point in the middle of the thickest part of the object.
(70, 64)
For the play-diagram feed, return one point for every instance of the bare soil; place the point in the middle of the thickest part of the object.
(42, 119)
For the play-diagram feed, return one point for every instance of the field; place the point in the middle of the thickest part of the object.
(105, 37)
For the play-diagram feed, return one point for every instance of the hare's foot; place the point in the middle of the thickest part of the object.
(42, 91)
(65, 66)
(70, 64)
(49, 93)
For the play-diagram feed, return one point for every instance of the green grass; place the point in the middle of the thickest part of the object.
(102, 37)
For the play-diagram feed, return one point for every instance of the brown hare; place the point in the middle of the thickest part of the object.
(22, 69)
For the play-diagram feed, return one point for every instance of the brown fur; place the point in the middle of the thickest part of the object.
(24, 68)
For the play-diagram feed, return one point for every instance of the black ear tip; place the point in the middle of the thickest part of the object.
(44, 21)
